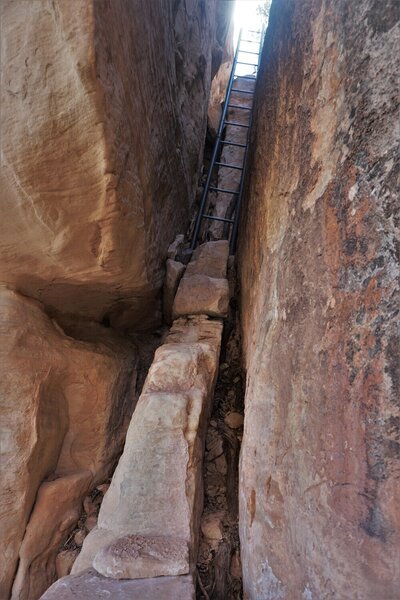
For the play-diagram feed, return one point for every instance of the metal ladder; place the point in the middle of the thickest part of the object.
(233, 222)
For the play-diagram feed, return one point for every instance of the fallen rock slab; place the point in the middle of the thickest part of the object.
(44, 534)
(202, 295)
(89, 585)
(210, 259)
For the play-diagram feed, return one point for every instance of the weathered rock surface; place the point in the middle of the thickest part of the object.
(204, 289)
(202, 295)
(157, 487)
(103, 104)
(140, 557)
(234, 420)
(62, 407)
(320, 465)
(209, 259)
(174, 248)
(89, 585)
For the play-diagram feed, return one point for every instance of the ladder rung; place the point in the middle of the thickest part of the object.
(223, 190)
(242, 91)
(248, 52)
(250, 41)
(217, 218)
(236, 106)
(253, 31)
(228, 166)
(228, 143)
(251, 77)
(246, 63)
(236, 124)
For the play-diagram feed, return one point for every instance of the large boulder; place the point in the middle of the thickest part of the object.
(319, 475)
(204, 289)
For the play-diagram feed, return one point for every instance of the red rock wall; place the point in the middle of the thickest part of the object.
(319, 478)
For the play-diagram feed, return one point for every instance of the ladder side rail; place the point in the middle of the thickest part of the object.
(235, 227)
(215, 151)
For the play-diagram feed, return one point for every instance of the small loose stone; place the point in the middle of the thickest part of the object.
(89, 506)
(234, 420)
(91, 522)
(211, 526)
(236, 566)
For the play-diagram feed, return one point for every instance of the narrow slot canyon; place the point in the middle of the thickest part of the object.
(199, 300)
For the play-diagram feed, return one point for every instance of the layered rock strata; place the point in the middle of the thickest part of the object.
(319, 476)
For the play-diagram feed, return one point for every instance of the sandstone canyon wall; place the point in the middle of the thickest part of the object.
(319, 258)
(103, 122)
(103, 117)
